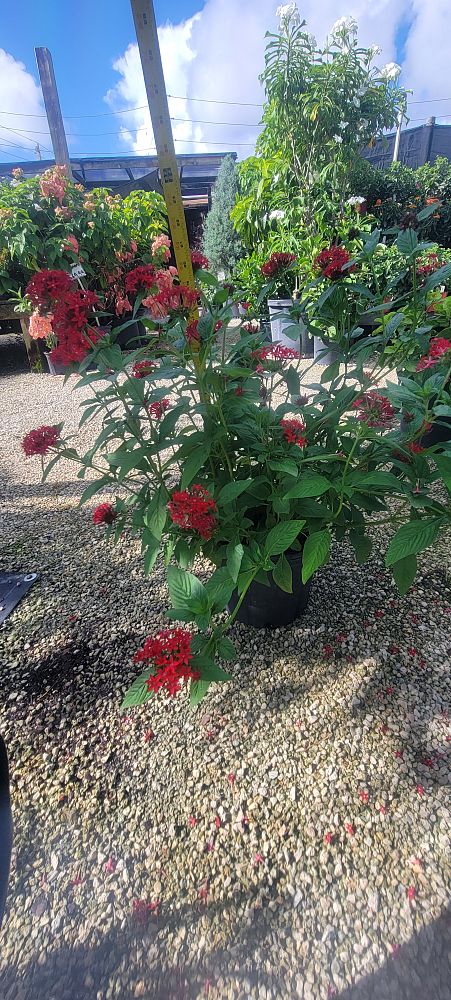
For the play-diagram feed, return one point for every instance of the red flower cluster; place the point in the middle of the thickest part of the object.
(198, 260)
(192, 332)
(142, 368)
(70, 320)
(157, 409)
(250, 327)
(332, 261)
(141, 279)
(46, 287)
(276, 264)
(275, 352)
(39, 441)
(169, 654)
(104, 514)
(374, 409)
(432, 264)
(293, 432)
(194, 510)
(438, 348)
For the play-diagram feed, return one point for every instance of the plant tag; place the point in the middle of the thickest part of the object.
(77, 271)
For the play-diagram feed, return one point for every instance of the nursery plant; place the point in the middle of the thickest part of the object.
(217, 448)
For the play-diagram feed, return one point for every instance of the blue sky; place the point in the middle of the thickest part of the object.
(211, 49)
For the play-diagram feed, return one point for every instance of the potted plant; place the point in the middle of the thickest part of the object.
(217, 448)
(278, 271)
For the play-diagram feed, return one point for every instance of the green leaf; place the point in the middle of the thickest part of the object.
(376, 481)
(407, 241)
(411, 538)
(219, 589)
(429, 210)
(443, 464)
(362, 546)
(183, 554)
(49, 467)
(225, 648)
(137, 694)
(155, 517)
(292, 379)
(197, 691)
(330, 373)
(315, 553)
(404, 572)
(282, 574)
(231, 491)
(92, 489)
(282, 536)
(309, 484)
(185, 590)
(287, 465)
(150, 556)
(193, 463)
(209, 670)
(234, 559)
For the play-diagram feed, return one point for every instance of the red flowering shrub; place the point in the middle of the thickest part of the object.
(332, 261)
(293, 432)
(169, 655)
(141, 279)
(158, 408)
(194, 510)
(275, 352)
(104, 514)
(142, 368)
(178, 298)
(70, 324)
(198, 260)
(39, 441)
(439, 348)
(432, 264)
(374, 409)
(276, 264)
(47, 287)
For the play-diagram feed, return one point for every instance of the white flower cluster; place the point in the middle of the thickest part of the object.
(374, 50)
(356, 199)
(390, 71)
(344, 26)
(288, 14)
(277, 213)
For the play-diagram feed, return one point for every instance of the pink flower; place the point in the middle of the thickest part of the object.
(349, 829)
(149, 735)
(382, 810)
(258, 859)
(411, 892)
(203, 892)
(71, 244)
(110, 866)
(231, 778)
(40, 327)
(420, 789)
(122, 304)
(363, 796)
(395, 948)
(328, 837)
(162, 245)
(217, 822)
(328, 649)
(192, 821)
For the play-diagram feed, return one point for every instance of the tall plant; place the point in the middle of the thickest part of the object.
(221, 243)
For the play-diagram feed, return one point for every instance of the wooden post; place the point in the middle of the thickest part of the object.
(53, 109)
(149, 50)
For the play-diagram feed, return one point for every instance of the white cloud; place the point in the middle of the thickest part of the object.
(219, 53)
(20, 94)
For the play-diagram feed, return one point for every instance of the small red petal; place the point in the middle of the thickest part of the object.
(231, 778)
(420, 789)
(364, 796)
(411, 892)
(349, 829)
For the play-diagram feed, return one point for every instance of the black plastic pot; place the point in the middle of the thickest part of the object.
(132, 337)
(271, 607)
(6, 827)
(55, 367)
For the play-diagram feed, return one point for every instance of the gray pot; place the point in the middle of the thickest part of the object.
(279, 319)
(55, 368)
(324, 354)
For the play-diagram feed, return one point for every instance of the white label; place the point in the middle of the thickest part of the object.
(77, 271)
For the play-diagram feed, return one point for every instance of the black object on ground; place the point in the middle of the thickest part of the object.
(6, 827)
(13, 586)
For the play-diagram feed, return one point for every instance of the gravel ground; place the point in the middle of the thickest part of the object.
(288, 839)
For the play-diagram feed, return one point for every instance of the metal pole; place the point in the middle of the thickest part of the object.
(52, 107)
(149, 50)
(398, 137)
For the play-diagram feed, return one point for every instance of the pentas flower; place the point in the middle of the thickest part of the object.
(293, 432)
(140, 279)
(439, 348)
(250, 327)
(157, 409)
(104, 514)
(275, 352)
(70, 323)
(142, 368)
(169, 654)
(276, 264)
(374, 409)
(332, 261)
(194, 510)
(40, 327)
(39, 441)
(198, 260)
(47, 287)
(180, 298)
